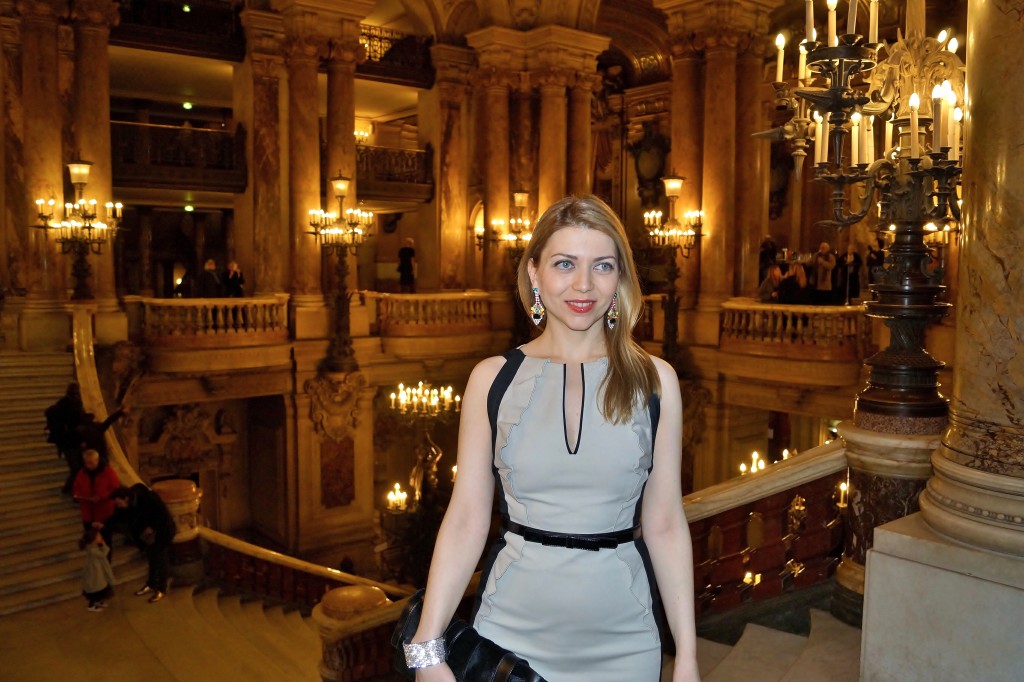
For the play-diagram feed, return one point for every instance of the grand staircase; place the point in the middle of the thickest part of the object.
(39, 529)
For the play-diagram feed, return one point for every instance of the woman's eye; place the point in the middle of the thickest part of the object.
(605, 266)
(563, 265)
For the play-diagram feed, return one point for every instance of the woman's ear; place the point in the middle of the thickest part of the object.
(531, 270)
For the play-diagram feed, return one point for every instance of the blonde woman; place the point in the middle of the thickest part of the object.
(588, 487)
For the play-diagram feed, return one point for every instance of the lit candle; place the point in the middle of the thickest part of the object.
(393, 401)
(833, 40)
(958, 117)
(843, 487)
(947, 113)
(855, 139)
(915, 147)
(851, 19)
(780, 44)
(869, 138)
(938, 131)
(809, 20)
(785, 453)
(743, 469)
(760, 464)
(888, 135)
(819, 137)
(873, 22)
(801, 68)
(952, 45)
(827, 129)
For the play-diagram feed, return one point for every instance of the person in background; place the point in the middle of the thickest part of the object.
(766, 257)
(62, 421)
(769, 292)
(145, 519)
(875, 259)
(210, 285)
(793, 289)
(824, 264)
(234, 281)
(97, 575)
(849, 274)
(94, 486)
(407, 267)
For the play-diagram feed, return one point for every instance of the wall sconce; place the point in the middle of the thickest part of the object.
(480, 234)
(694, 222)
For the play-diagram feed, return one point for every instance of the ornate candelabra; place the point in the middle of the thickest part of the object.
(341, 234)
(670, 236)
(914, 181)
(80, 232)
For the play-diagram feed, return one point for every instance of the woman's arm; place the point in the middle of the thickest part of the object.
(665, 529)
(463, 533)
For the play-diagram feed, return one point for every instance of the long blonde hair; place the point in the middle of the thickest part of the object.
(631, 376)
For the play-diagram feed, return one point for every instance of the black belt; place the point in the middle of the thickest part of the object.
(591, 542)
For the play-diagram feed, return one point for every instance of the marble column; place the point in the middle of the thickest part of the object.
(553, 134)
(580, 169)
(719, 170)
(977, 493)
(751, 178)
(452, 66)
(303, 52)
(497, 195)
(341, 124)
(687, 152)
(43, 323)
(265, 37)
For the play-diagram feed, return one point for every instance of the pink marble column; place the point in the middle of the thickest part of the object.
(303, 160)
(977, 492)
(553, 136)
(719, 171)
(751, 179)
(92, 20)
(42, 150)
(687, 152)
(341, 124)
(497, 194)
(452, 66)
(580, 160)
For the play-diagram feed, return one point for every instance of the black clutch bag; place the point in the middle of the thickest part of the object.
(471, 656)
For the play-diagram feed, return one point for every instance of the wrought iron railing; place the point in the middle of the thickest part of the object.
(158, 156)
(395, 57)
(206, 28)
(389, 164)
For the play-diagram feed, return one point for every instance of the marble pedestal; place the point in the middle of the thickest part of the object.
(44, 326)
(310, 317)
(110, 324)
(936, 610)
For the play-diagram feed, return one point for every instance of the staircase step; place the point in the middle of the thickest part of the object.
(29, 489)
(832, 652)
(244, 619)
(207, 604)
(31, 470)
(303, 662)
(35, 518)
(761, 655)
(296, 628)
(13, 508)
(25, 540)
(33, 460)
(36, 446)
(127, 565)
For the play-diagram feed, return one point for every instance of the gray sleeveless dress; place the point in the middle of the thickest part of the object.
(573, 614)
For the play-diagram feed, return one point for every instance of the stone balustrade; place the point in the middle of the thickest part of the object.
(443, 314)
(211, 322)
(803, 332)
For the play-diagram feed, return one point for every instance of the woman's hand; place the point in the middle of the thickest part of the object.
(435, 673)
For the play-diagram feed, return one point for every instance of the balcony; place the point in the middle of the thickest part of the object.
(211, 28)
(156, 156)
(390, 174)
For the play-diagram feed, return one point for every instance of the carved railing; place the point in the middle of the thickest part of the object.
(395, 57)
(242, 567)
(210, 322)
(761, 535)
(801, 332)
(162, 156)
(211, 28)
(452, 314)
(389, 173)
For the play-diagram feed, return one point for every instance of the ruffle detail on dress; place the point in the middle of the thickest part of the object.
(639, 585)
(510, 414)
(509, 554)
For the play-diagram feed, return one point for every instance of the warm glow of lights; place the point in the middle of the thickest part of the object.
(780, 41)
(953, 45)
(186, 105)
(915, 102)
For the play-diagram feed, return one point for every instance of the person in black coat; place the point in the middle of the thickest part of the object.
(234, 281)
(62, 421)
(142, 516)
(849, 274)
(210, 284)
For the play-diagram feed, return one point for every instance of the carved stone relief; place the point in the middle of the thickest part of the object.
(190, 440)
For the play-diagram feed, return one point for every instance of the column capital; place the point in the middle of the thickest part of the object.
(98, 13)
(552, 77)
(452, 63)
(493, 78)
(690, 16)
(264, 33)
(563, 47)
(42, 10)
(498, 47)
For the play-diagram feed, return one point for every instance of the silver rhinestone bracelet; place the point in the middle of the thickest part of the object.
(425, 654)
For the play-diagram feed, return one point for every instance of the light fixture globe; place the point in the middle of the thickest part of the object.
(673, 186)
(341, 186)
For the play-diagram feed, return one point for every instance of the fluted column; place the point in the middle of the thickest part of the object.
(345, 53)
(751, 179)
(304, 49)
(92, 20)
(43, 323)
(977, 493)
(579, 179)
(719, 170)
(496, 169)
(687, 151)
(452, 66)
(553, 134)
(265, 37)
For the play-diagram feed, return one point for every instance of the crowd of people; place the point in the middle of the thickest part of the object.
(212, 283)
(822, 278)
(105, 504)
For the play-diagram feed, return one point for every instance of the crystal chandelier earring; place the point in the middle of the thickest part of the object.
(537, 309)
(612, 316)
